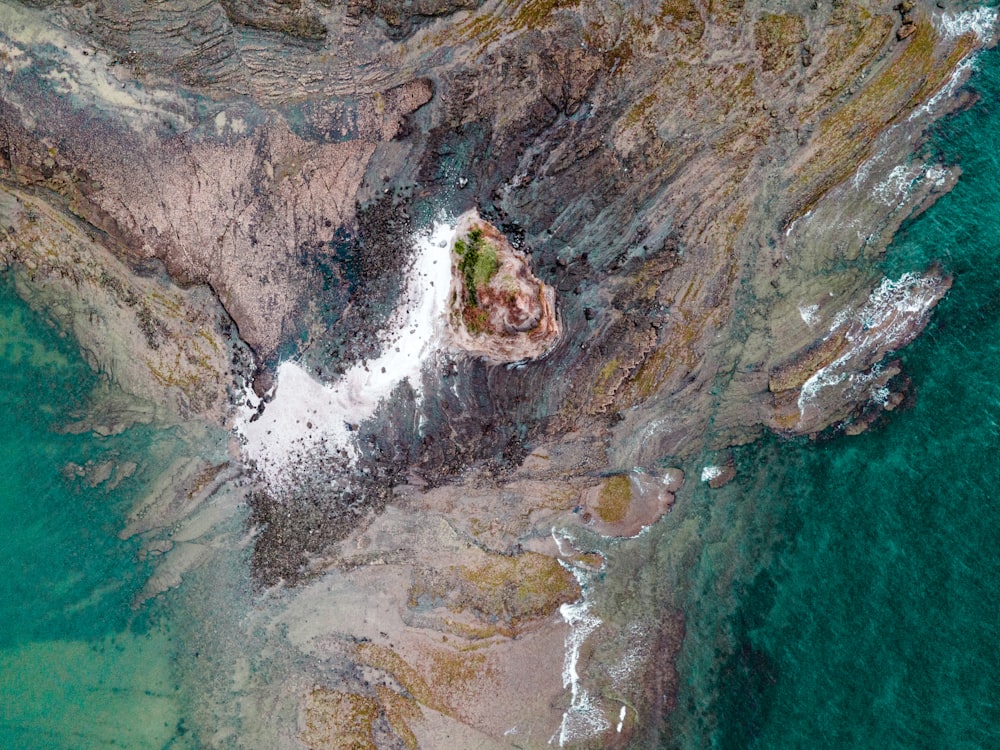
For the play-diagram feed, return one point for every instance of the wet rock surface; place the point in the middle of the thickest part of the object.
(696, 192)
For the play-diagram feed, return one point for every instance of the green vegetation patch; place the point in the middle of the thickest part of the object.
(614, 499)
(478, 263)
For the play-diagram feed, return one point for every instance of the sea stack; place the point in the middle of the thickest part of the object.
(499, 310)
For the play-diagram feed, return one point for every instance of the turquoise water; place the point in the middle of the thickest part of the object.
(79, 667)
(846, 595)
(861, 589)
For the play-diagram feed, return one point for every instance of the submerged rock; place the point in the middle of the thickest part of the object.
(201, 195)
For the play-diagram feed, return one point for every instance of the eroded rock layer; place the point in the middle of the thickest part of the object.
(686, 200)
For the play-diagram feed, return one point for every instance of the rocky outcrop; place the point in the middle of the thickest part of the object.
(164, 345)
(500, 310)
(702, 186)
(235, 198)
(844, 372)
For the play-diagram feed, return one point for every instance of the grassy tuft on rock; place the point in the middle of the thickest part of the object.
(478, 263)
(614, 499)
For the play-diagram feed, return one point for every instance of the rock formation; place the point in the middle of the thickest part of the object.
(197, 191)
(507, 315)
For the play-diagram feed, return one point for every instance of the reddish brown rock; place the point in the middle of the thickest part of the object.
(514, 317)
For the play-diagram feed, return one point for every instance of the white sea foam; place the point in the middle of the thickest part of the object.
(897, 185)
(937, 175)
(710, 472)
(901, 180)
(804, 217)
(886, 319)
(822, 378)
(892, 304)
(982, 22)
(979, 21)
(954, 81)
(622, 673)
(652, 428)
(307, 415)
(881, 395)
(841, 318)
(864, 171)
(585, 716)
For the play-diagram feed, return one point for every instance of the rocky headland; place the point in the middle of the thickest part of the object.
(235, 209)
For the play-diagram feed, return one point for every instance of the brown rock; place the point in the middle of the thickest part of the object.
(514, 315)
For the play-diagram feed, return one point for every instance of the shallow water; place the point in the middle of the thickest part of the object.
(79, 667)
(847, 593)
(839, 595)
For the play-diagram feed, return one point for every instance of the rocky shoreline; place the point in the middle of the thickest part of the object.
(686, 204)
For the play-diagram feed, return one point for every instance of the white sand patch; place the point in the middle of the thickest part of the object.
(225, 124)
(809, 314)
(306, 415)
(13, 58)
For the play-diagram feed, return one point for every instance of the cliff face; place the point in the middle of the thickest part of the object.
(705, 185)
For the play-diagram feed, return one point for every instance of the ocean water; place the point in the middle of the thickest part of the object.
(80, 667)
(842, 594)
(847, 593)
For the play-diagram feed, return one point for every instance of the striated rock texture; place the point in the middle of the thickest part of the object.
(704, 185)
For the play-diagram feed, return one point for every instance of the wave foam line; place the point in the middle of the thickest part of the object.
(887, 319)
(584, 717)
(979, 21)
